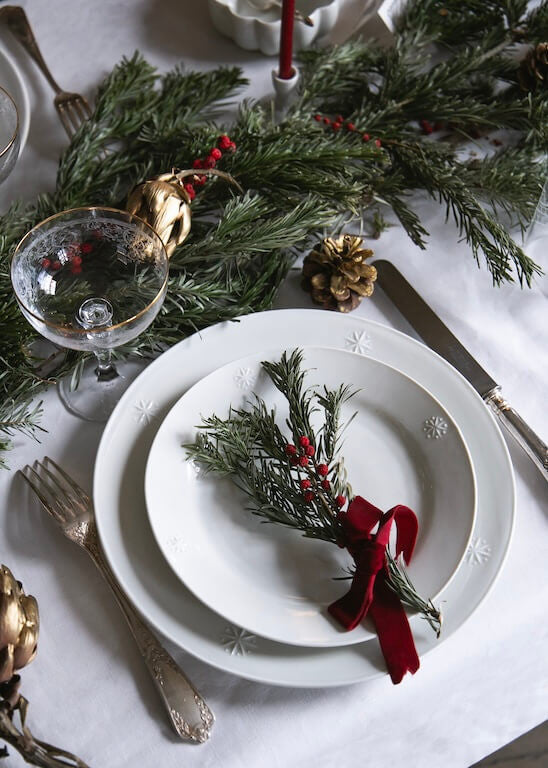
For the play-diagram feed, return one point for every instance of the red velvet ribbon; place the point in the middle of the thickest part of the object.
(369, 593)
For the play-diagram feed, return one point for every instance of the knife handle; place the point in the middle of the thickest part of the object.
(534, 447)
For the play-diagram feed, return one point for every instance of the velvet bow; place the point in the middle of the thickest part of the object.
(369, 593)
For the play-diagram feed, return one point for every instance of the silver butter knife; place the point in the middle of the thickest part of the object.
(439, 338)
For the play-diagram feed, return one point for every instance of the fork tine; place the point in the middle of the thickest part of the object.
(37, 488)
(64, 119)
(72, 483)
(73, 115)
(64, 501)
(84, 107)
(78, 111)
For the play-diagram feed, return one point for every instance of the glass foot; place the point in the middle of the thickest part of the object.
(95, 399)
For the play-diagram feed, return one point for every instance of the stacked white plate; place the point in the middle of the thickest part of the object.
(251, 598)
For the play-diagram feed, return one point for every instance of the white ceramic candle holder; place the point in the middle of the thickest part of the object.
(255, 25)
(284, 92)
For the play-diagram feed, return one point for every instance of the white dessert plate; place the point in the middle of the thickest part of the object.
(401, 448)
(12, 82)
(173, 610)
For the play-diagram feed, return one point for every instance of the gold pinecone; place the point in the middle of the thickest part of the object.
(19, 625)
(533, 70)
(336, 275)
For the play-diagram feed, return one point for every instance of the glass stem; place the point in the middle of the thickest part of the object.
(106, 370)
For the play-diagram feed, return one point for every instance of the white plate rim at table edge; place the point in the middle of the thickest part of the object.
(228, 648)
(20, 94)
(256, 591)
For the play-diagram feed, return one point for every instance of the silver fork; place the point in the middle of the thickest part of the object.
(72, 108)
(72, 510)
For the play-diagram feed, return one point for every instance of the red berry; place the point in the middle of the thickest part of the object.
(294, 460)
(350, 127)
(56, 265)
(304, 441)
(75, 269)
(326, 120)
(366, 137)
(310, 450)
(378, 143)
(216, 153)
(340, 501)
(210, 162)
(189, 189)
(224, 142)
(305, 484)
(197, 163)
(326, 485)
(232, 146)
(86, 248)
(308, 496)
(426, 126)
(291, 450)
(336, 126)
(200, 180)
(322, 470)
(46, 263)
(339, 118)
(318, 118)
(76, 260)
(303, 461)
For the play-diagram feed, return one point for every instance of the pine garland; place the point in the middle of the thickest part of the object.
(301, 176)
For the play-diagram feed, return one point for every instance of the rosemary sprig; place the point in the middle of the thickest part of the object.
(302, 484)
(401, 584)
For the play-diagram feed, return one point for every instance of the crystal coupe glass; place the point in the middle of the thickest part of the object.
(9, 134)
(91, 279)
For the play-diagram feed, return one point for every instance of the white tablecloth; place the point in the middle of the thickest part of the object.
(88, 689)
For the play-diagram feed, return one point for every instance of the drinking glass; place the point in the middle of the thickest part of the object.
(9, 134)
(91, 279)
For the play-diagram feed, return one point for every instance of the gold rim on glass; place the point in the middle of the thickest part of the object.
(103, 329)
(16, 131)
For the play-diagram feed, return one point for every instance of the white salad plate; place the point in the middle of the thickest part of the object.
(148, 580)
(12, 82)
(402, 447)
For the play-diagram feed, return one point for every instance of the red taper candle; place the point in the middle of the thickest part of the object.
(286, 39)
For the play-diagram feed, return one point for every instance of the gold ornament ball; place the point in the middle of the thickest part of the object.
(336, 275)
(164, 204)
(19, 626)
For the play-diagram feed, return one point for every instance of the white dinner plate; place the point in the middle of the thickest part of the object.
(12, 82)
(148, 580)
(402, 447)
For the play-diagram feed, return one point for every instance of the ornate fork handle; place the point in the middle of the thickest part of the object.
(189, 714)
(18, 23)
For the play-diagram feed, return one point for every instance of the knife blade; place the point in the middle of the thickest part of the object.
(439, 338)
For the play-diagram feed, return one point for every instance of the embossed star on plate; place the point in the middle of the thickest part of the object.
(358, 341)
(244, 378)
(435, 427)
(145, 411)
(237, 641)
(478, 551)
